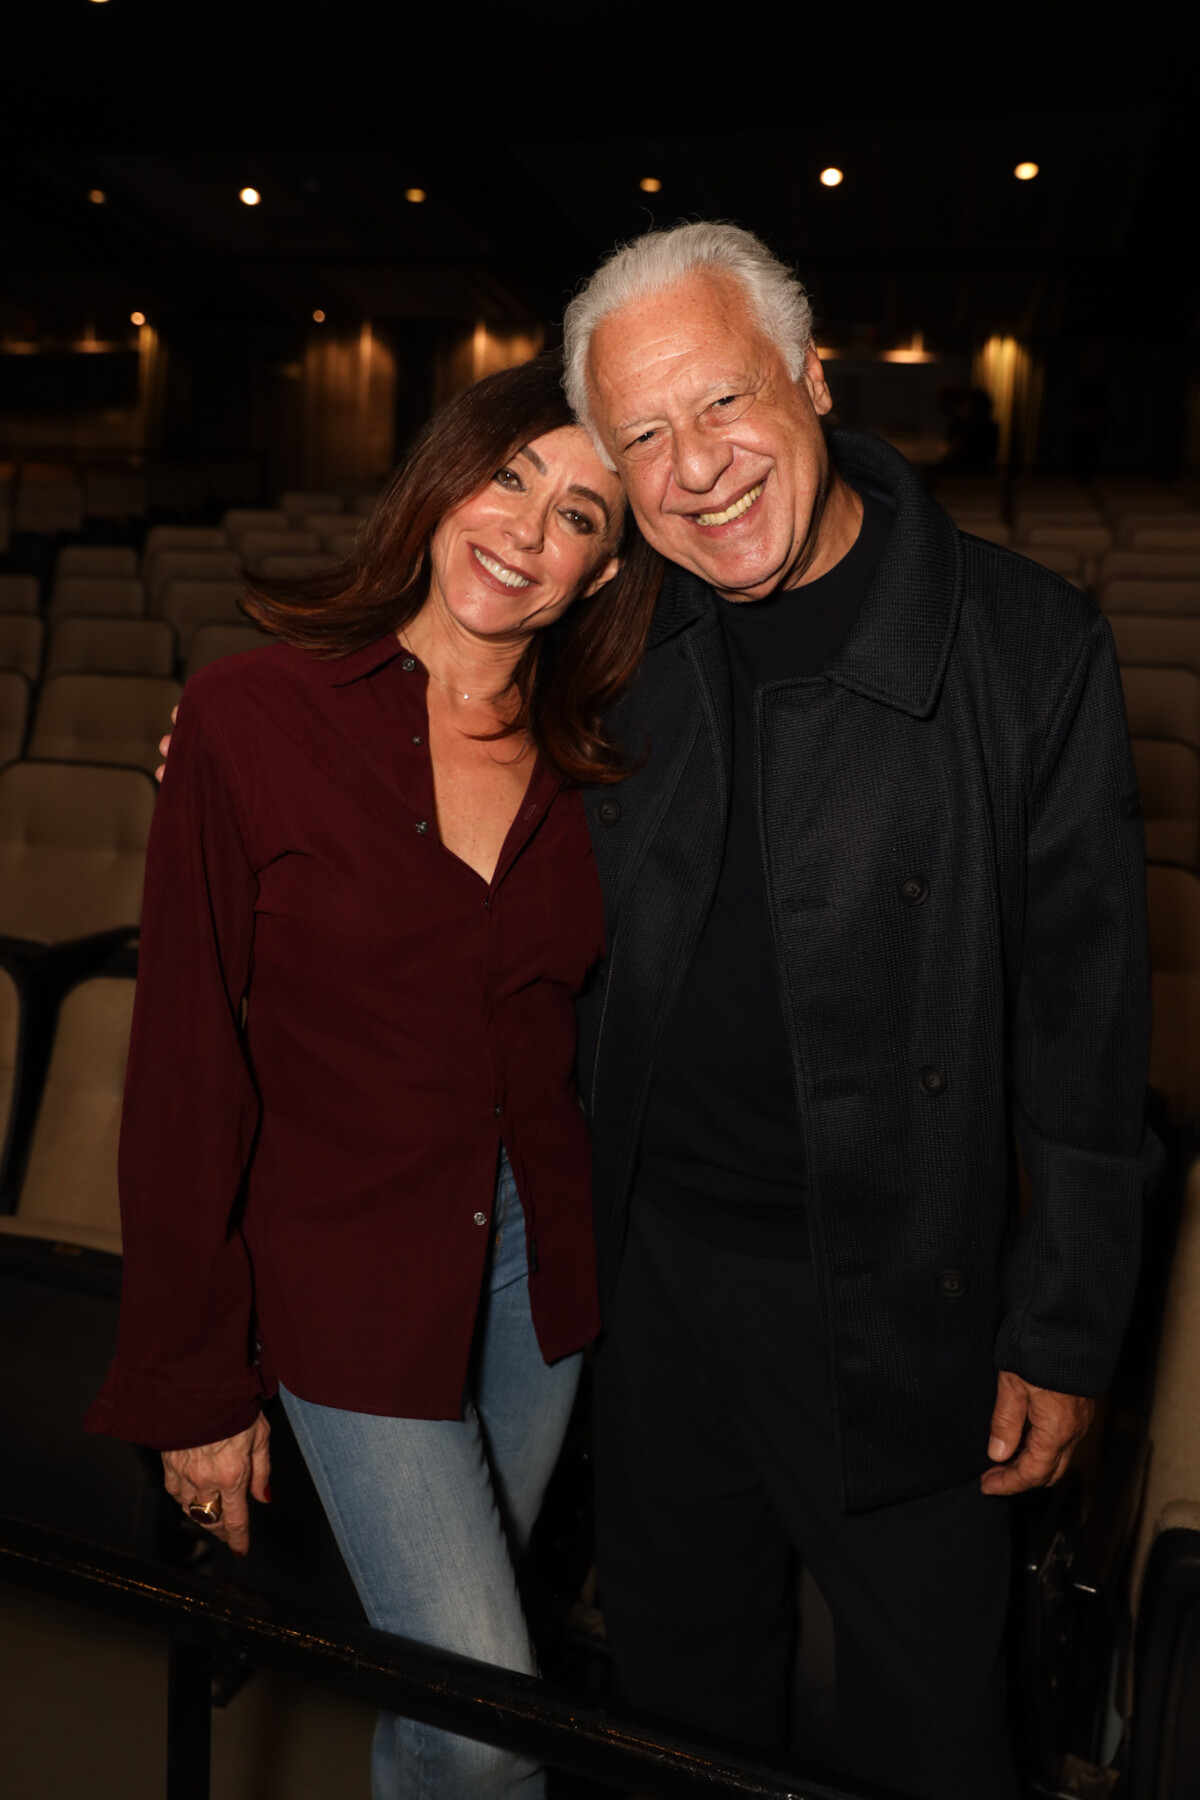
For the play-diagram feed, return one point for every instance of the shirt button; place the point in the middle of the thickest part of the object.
(952, 1283)
(497, 1110)
(608, 812)
(416, 739)
(481, 1218)
(914, 890)
(422, 826)
(409, 664)
(932, 1081)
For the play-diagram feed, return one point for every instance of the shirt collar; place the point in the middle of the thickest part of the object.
(365, 661)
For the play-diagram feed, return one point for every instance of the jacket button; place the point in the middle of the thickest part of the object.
(952, 1283)
(608, 812)
(933, 1082)
(481, 1218)
(914, 890)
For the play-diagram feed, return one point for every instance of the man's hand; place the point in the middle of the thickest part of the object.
(227, 1469)
(164, 747)
(1034, 1434)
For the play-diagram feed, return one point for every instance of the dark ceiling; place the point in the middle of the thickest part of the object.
(529, 127)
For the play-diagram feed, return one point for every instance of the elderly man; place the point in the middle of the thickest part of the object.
(875, 917)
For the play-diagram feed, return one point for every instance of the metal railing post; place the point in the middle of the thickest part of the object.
(189, 1722)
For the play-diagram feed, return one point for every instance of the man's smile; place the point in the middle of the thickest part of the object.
(737, 509)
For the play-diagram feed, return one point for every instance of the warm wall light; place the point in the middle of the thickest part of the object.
(416, 195)
(97, 196)
(832, 178)
(650, 184)
(1025, 171)
(914, 352)
(249, 196)
(318, 317)
(137, 318)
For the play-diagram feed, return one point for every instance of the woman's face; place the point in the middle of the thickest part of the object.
(542, 533)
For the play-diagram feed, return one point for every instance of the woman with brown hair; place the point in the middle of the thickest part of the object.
(353, 1163)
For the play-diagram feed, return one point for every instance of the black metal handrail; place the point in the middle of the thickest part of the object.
(203, 1620)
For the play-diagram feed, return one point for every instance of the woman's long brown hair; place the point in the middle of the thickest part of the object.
(570, 672)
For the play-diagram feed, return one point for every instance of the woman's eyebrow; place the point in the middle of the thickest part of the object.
(591, 494)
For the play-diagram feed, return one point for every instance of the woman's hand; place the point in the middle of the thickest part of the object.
(164, 747)
(224, 1471)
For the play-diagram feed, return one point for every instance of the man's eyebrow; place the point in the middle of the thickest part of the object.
(527, 450)
(728, 384)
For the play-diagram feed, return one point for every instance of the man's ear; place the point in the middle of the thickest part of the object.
(603, 575)
(814, 380)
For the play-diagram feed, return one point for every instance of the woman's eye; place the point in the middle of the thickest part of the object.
(578, 520)
(508, 478)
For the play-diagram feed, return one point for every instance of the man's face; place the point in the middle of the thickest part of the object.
(721, 452)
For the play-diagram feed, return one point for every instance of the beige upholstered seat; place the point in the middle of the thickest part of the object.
(1159, 595)
(1162, 703)
(283, 562)
(329, 525)
(343, 545)
(1172, 1492)
(10, 1040)
(1179, 532)
(254, 545)
(191, 603)
(205, 538)
(298, 506)
(21, 638)
(1059, 560)
(14, 714)
(69, 1193)
(1169, 782)
(96, 559)
(1170, 640)
(1087, 536)
(19, 593)
(211, 642)
(1173, 904)
(240, 519)
(111, 647)
(190, 565)
(72, 849)
(1153, 565)
(993, 531)
(104, 719)
(109, 595)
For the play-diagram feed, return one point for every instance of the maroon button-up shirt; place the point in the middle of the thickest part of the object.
(308, 1197)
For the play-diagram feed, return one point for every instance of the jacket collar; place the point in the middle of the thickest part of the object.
(900, 642)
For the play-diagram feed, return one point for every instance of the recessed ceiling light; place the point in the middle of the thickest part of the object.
(416, 195)
(832, 178)
(137, 318)
(97, 196)
(318, 317)
(249, 196)
(1025, 171)
(650, 184)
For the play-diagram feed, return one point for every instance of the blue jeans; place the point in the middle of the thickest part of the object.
(432, 1515)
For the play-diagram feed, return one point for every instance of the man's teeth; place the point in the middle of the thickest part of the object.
(731, 512)
(509, 577)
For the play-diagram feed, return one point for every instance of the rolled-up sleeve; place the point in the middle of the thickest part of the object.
(1080, 1046)
(184, 1372)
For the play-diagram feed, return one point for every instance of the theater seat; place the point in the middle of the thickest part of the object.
(281, 562)
(344, 545)
(1162, 703)
(240, 519)
(254, 545)
(203, 538)
(1060, 561)
(1151, 565)
(72, 850)
(1169, 783)
(108, 595)
(211, 642)
(188, 604)
(298, 506)
(21, 638)
(1157, 594)
(329, 525)
(10, 1060)
(19, 593)
(116, 719)
(111, 647)
(190, 565)
(69, 1191)
(96, 559)
(14, 713)
(1171, 641)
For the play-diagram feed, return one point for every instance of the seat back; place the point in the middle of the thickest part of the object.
(72, 849)
(1149, 565)
(1162, 703)
(96, 559)
(188, 604)
(240, 519)
(298, 506)
(69, 1192)
(95, 646)
(19, 593)
(21, 638)
(1172, 641)
(1169, 783)
(1173, 906)
(254, 545)
(1157, 594)
(211, 642)
(329, 525)
(205, 538)
(110, 595)
(1179, 532)
(14, 714)
(1058, 559)
(116, 719)
(10, 1058)
(282, 562)
(190, 565)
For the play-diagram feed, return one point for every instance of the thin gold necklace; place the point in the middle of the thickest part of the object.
(489, 700)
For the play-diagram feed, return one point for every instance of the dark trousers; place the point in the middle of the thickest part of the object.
(714, 1464)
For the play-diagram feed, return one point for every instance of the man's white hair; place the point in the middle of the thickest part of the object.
(657, 261)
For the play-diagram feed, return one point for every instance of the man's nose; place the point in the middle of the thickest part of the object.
(700, 461)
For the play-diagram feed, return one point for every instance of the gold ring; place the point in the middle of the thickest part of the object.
(206, 1512)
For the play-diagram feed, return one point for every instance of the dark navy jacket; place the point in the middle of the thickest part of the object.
(954, 864)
